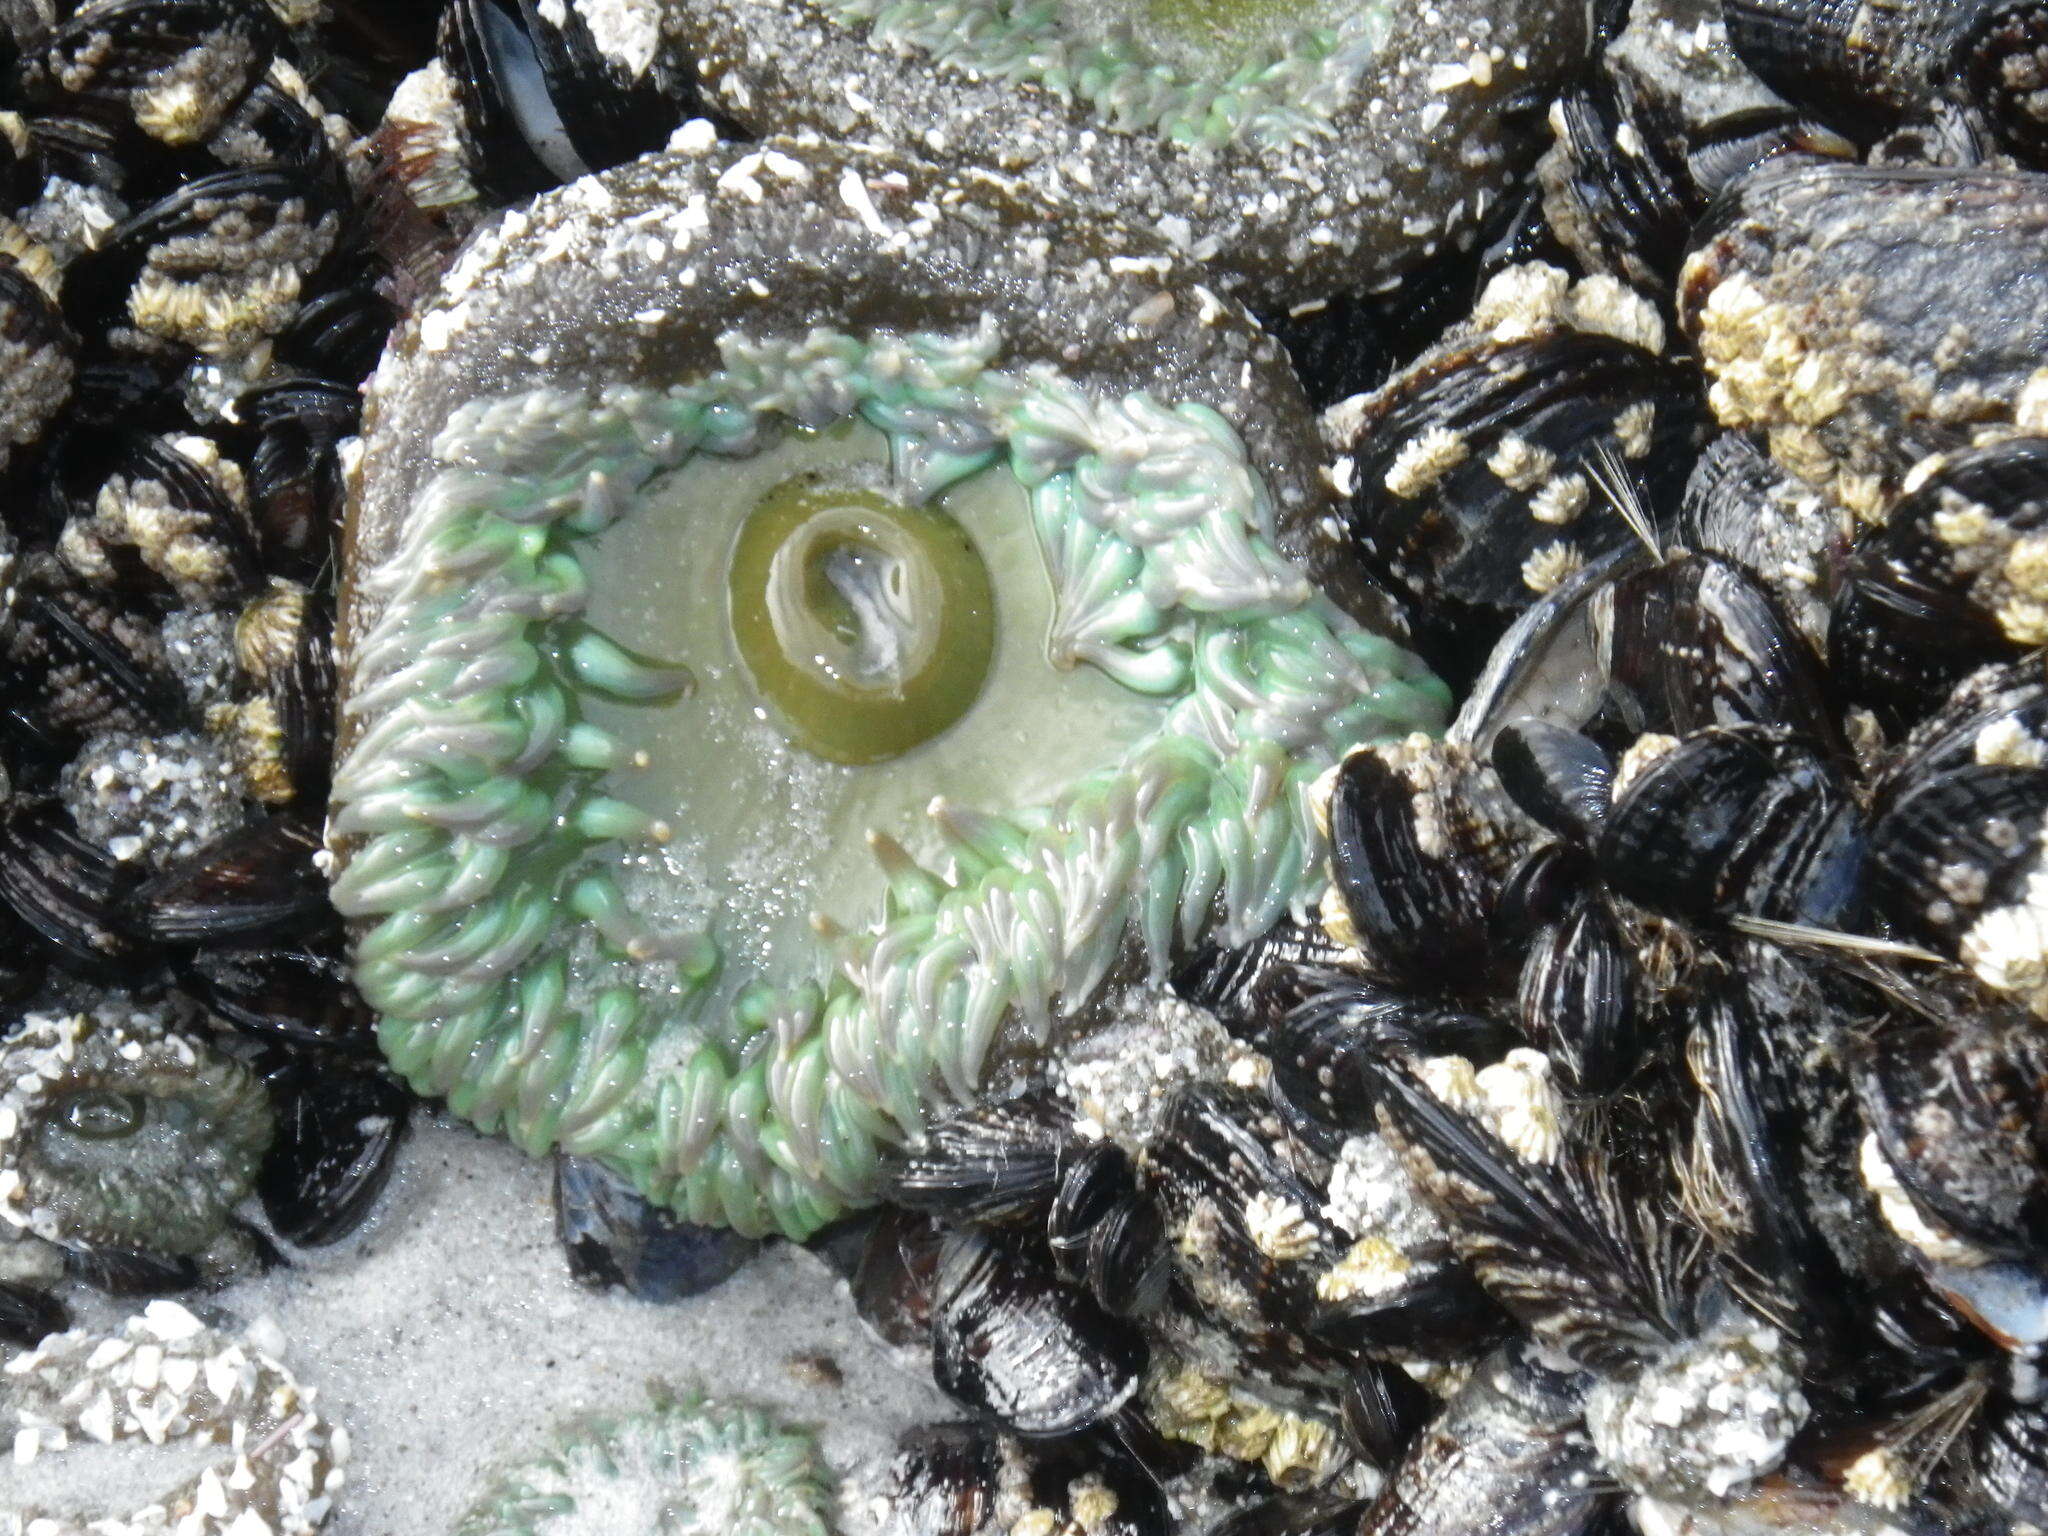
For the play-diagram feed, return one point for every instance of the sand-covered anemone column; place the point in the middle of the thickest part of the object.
(808, 617)
(1295, 148)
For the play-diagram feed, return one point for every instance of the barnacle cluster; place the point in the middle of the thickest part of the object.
(165, 1378)
(687, 1467)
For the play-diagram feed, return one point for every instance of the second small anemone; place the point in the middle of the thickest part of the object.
(807, 613)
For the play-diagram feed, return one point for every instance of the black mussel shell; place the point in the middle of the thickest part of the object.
(894, 1278)
(2012, 1459)
(1954, 844)
(1439, 1311)
(1739, 821)
(295, 995)
(616, 1238)
(1740, 506)
(1127, 1268)
(1616, 184)
(1462, 545)
(1540, 890)
(338, 334)
(1383, 1409)
(2002, 56)
(128, 1272)
(338, 1131)
(42, 359)
(541, 105)
(944, 1480)
(254, 885)
(79, 150)
(1959, 1119)
(81, 662)
(295, 489)
(994, 1163)
(1896, 645)
(1218, 1157)
(1965, 526)
(119, 55)
(1323, 1050)
(1577, 998)
(69, 892)
(190, 496)
(1092, 1183)
(1250, 987)
(1559, 778)
(1010, 1341)
(230, 209)
(1697, 642)
(28, 1314)
(1315, 1513)
(1419, 905)
(1861, 64)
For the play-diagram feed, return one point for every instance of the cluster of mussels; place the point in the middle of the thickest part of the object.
(1648, 1131)
(1649, 1128)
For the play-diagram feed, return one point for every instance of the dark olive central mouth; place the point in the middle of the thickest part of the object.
(867, 623)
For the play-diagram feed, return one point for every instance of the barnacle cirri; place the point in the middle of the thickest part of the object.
(119, 1130)
(1297, 147)
(916, 418)
(687, 1467)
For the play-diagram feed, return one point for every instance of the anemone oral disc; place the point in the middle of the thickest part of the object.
(724, 871)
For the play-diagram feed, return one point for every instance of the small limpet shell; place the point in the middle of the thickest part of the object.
(1297, 147)
(586, 818)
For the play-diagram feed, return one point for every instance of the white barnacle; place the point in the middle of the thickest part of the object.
(1551, 566)
(1279, 1228)
(1522, 1104)
(1424, 460)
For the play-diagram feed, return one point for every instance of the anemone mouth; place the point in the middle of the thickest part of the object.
(755, 738)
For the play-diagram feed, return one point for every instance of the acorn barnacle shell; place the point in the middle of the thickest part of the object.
(1297, 147)
(727, 511)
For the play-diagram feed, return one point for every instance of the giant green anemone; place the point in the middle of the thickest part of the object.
(809, 617)
(1296, 148)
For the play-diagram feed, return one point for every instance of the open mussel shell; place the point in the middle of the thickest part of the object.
(616, 1238)
(541, 105)
(1739, 820)
(338, 1131)
(1010, 1341)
